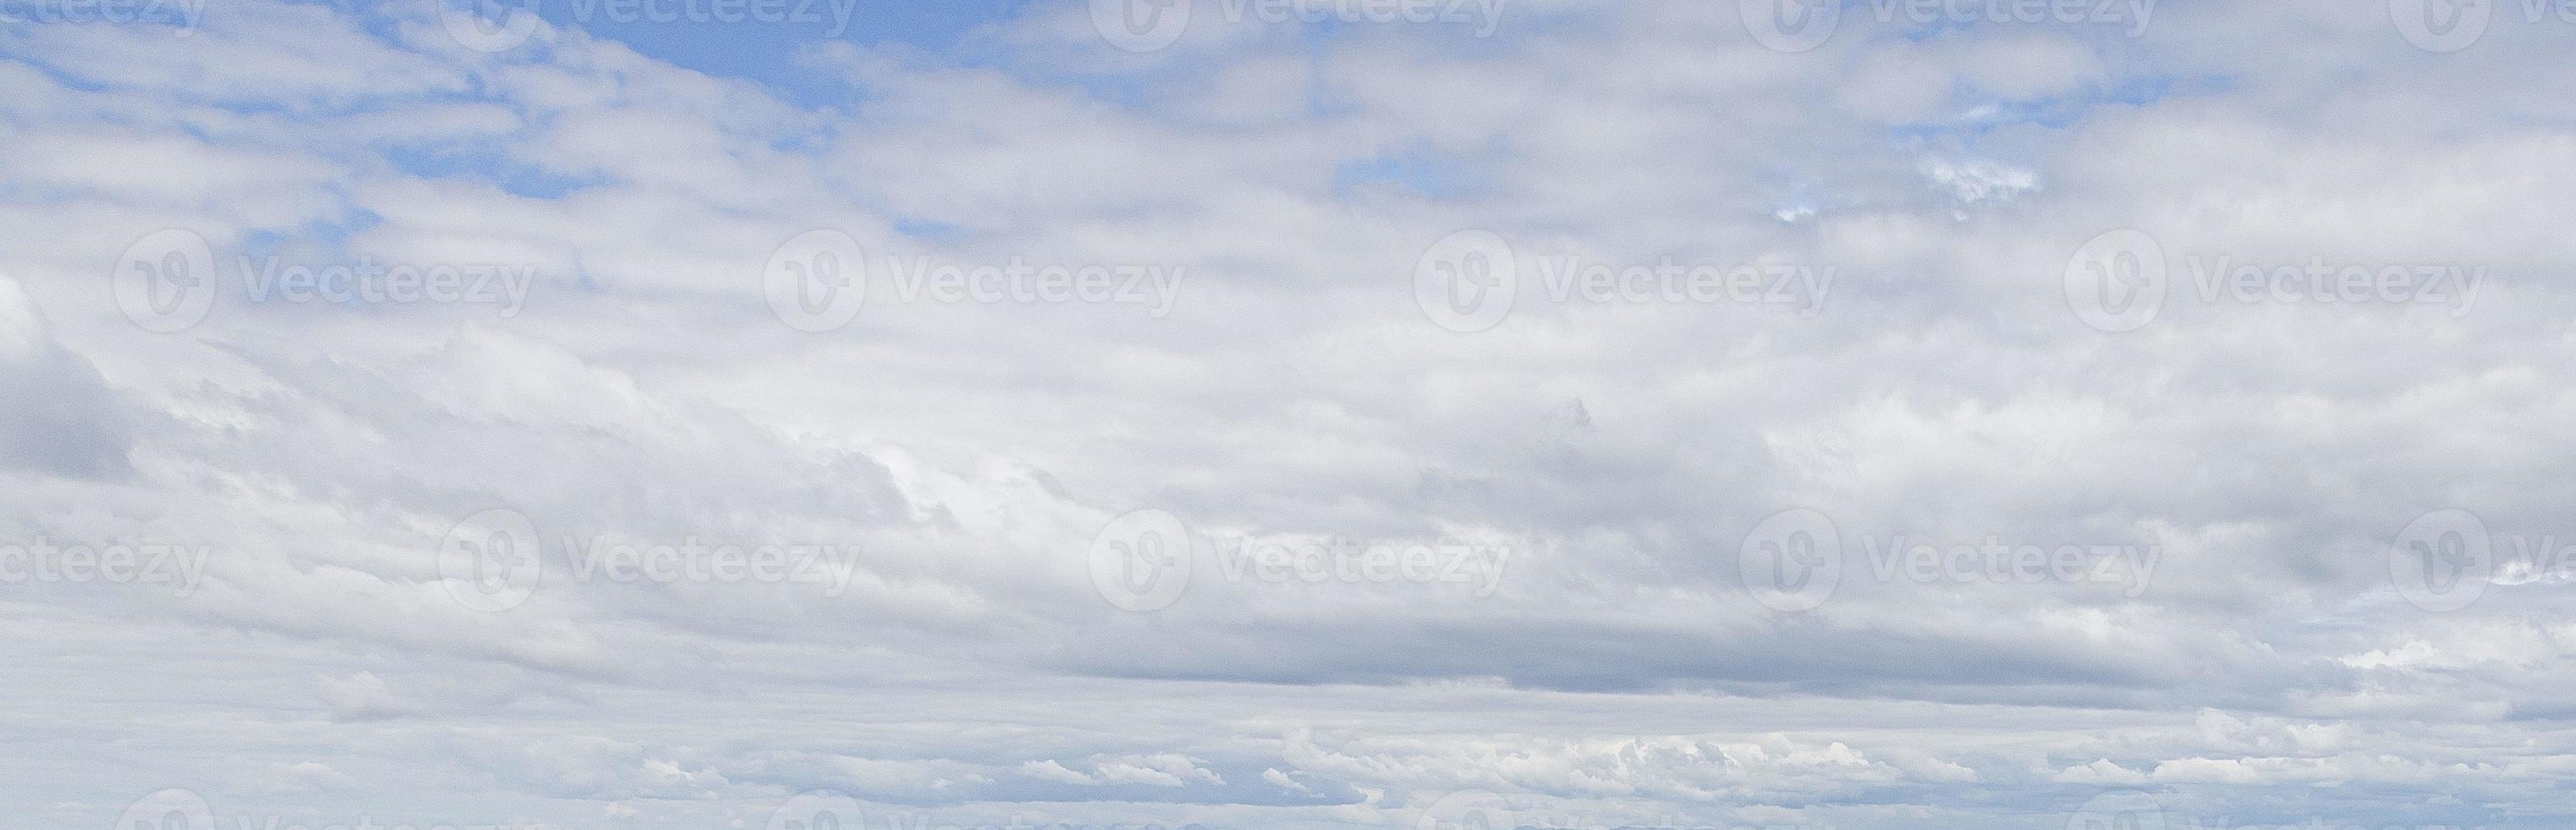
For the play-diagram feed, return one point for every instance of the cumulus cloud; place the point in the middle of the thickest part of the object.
(1536, 568)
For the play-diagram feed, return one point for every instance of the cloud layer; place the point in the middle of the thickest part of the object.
(1930, 417)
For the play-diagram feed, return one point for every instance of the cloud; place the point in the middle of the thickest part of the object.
(933, 477)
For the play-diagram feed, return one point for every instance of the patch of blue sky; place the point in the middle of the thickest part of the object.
(2056, 112)
(1420, 170)
(485, 162)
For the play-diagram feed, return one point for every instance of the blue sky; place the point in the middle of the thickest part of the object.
(1287, 415)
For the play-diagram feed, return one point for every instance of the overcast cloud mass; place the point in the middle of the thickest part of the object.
(1259, 414)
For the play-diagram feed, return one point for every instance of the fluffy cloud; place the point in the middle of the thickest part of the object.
(1425, 567)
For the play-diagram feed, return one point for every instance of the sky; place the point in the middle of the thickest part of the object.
(1285, 414)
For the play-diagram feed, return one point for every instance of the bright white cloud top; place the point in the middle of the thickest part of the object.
(1288, 415)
